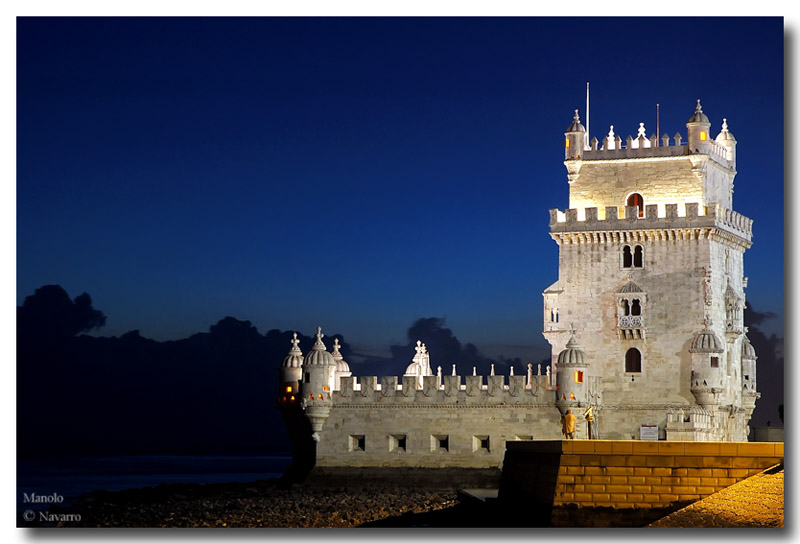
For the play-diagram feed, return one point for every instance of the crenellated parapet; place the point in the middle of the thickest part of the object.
(623, 224)
(436, 390)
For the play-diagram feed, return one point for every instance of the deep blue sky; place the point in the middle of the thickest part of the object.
(356, 173)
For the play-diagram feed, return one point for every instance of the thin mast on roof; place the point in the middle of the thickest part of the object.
(586, 144)
(658, 128)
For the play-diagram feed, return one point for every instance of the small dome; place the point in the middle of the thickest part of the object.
(706, 342)
(318, 355)
(748, 351)
(725, 137)
(699, 116)
(341, 364)
(295, 357)
(576, 125)
(412, 369)
(573, 354)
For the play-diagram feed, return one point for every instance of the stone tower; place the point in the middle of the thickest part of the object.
(651, 270)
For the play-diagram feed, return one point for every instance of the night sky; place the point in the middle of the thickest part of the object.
(357, 174)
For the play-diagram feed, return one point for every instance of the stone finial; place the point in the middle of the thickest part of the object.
(439, 371)
(724, 124)
(699, 108)
(511, 371)
(454, 370)
(539, 369)
(336, 347)
(491, 372)
(474, 371)
(318, 343)
(547, 370)
(707, 321)
(642, 133)
(295, 342)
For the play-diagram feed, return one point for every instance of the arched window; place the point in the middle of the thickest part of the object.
(636, 307)
(627, 257)
(626, 310)
(637, 257)
(636, 200)
(633, 360)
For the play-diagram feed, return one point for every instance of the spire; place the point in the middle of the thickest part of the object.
(576, 125)
(318, 345)
(295, 345)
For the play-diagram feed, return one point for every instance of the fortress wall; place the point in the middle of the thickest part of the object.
(466, 428)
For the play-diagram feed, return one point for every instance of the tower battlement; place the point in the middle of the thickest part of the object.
(689, 215)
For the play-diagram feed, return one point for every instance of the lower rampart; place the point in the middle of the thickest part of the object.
(613, 483)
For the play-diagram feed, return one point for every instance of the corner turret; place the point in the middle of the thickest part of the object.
(319, 370)
(697, 129)
(575, 139)
(571, 376)
(706, 352)
(291, 373)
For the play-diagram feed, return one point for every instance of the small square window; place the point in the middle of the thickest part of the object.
(715, 362)
(440, 442)
(358, 442)
(397, 442)
(480, 443)
(307, 378)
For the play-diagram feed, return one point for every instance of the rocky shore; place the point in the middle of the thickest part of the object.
(258, 504)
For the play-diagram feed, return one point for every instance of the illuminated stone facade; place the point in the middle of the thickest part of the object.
(651, 275)
(645, 324)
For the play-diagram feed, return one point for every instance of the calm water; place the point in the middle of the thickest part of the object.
(71, 477)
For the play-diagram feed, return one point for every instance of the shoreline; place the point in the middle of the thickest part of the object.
(263, 503)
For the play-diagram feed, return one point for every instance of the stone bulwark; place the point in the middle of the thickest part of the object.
(624, 483)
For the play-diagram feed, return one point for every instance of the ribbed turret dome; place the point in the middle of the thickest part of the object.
(318, 355)
(699, 116)
(576, 125)
(748, 351)
(295, 357)
(341, 364)
(573, 354)
(706, 342)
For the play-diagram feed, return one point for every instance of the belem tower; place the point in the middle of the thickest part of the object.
(645, 322)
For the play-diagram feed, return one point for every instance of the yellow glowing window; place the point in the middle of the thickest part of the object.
(320, 395)
(572, 396)
(579, 376)
(325, 388)
(566, 142)
(311, 396)
(292, 397)
(703, 135)
(288, 388)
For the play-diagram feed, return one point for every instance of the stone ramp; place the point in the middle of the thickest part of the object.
(754, 502)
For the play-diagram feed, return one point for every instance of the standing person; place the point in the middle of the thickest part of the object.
(568, 425)
(588, 414)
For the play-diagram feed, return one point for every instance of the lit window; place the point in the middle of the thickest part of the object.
(292, 397)
(636, 200)
(703, 136)
(288, 388)
(566, 142)
(572, 396)
(326, 388)
(579, 376)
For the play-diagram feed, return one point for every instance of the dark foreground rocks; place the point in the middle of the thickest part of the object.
(258, 504)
